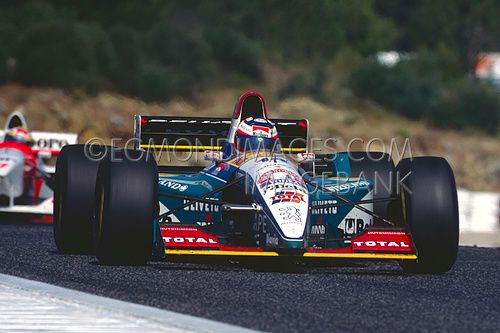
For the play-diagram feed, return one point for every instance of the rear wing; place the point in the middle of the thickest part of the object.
(204, 133)
(52, 142)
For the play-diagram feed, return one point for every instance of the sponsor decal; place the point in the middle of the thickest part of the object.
(44, 143)
(272, 240)
(171, 218)
(384, 240)
(237, 162)
(203, 183)
(208, 221)
(290, 213)
(187, 237)
(318, 230)
(212, 155)
(282, 187)
(305, 157)
(186, 121)
(260, 130)
(259, 224)
(173, 185)
(287, 196)
(6, 161)
(348, 186)
(381, 244)
(165, 219)
(216, 171)
(259, 120)
(285, 182)
(189, 240)
(204, 223)
(184, 182)
(280, 175)
(220, 167)
(323, 211)
(245, 128)
(272, 161)
(201, 207)
(351, 226)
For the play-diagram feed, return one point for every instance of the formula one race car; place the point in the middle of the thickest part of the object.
(25, 178)
(255, 200)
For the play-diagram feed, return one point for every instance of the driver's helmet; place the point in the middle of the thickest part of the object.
(19, 135)
(256, 134)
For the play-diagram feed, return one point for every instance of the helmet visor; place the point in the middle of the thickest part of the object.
(248, 144)
(18, 139)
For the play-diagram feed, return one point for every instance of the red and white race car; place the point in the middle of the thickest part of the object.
(25, 176)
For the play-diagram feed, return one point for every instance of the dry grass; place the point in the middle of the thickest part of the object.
(475, 158)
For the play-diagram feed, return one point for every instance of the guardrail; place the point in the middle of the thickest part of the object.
(479, 218)
(479, 211)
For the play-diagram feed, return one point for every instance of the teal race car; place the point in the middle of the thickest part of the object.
(276, 201)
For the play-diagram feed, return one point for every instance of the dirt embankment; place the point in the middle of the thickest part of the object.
(475, 158)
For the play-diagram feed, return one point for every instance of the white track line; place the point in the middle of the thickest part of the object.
(27, 306)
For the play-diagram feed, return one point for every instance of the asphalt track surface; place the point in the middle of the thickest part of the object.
(369, 297)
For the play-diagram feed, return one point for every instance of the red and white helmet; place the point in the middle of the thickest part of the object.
(20, 135)
(256, 134)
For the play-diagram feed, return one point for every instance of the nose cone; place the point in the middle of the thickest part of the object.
(291, 216)
(286, 196)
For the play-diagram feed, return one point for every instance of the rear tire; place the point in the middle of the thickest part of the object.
(126, 205)
(429, 198)
(74, 200)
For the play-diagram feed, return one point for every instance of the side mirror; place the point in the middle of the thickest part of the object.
(212, 155)
(305, 157)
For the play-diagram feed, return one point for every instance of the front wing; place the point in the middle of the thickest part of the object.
(371, 244)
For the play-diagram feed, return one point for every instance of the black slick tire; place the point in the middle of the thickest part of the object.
(126, 205)
(430, 209)
(76, 171)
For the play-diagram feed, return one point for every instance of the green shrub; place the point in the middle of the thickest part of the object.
(49, 54)
(186, 53)
(296, 85)
(63, 54)
(472, 105)
(416, 89)
(18, 18)
(234, 51)
(97, 47)
(128, 56)
(156, 83)
(4, 71)
(313, 84)
(401, 88)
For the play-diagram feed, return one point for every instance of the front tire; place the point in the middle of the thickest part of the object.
(430, 208)
(126, 205)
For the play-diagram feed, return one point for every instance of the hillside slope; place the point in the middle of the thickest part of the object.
(475, 158)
